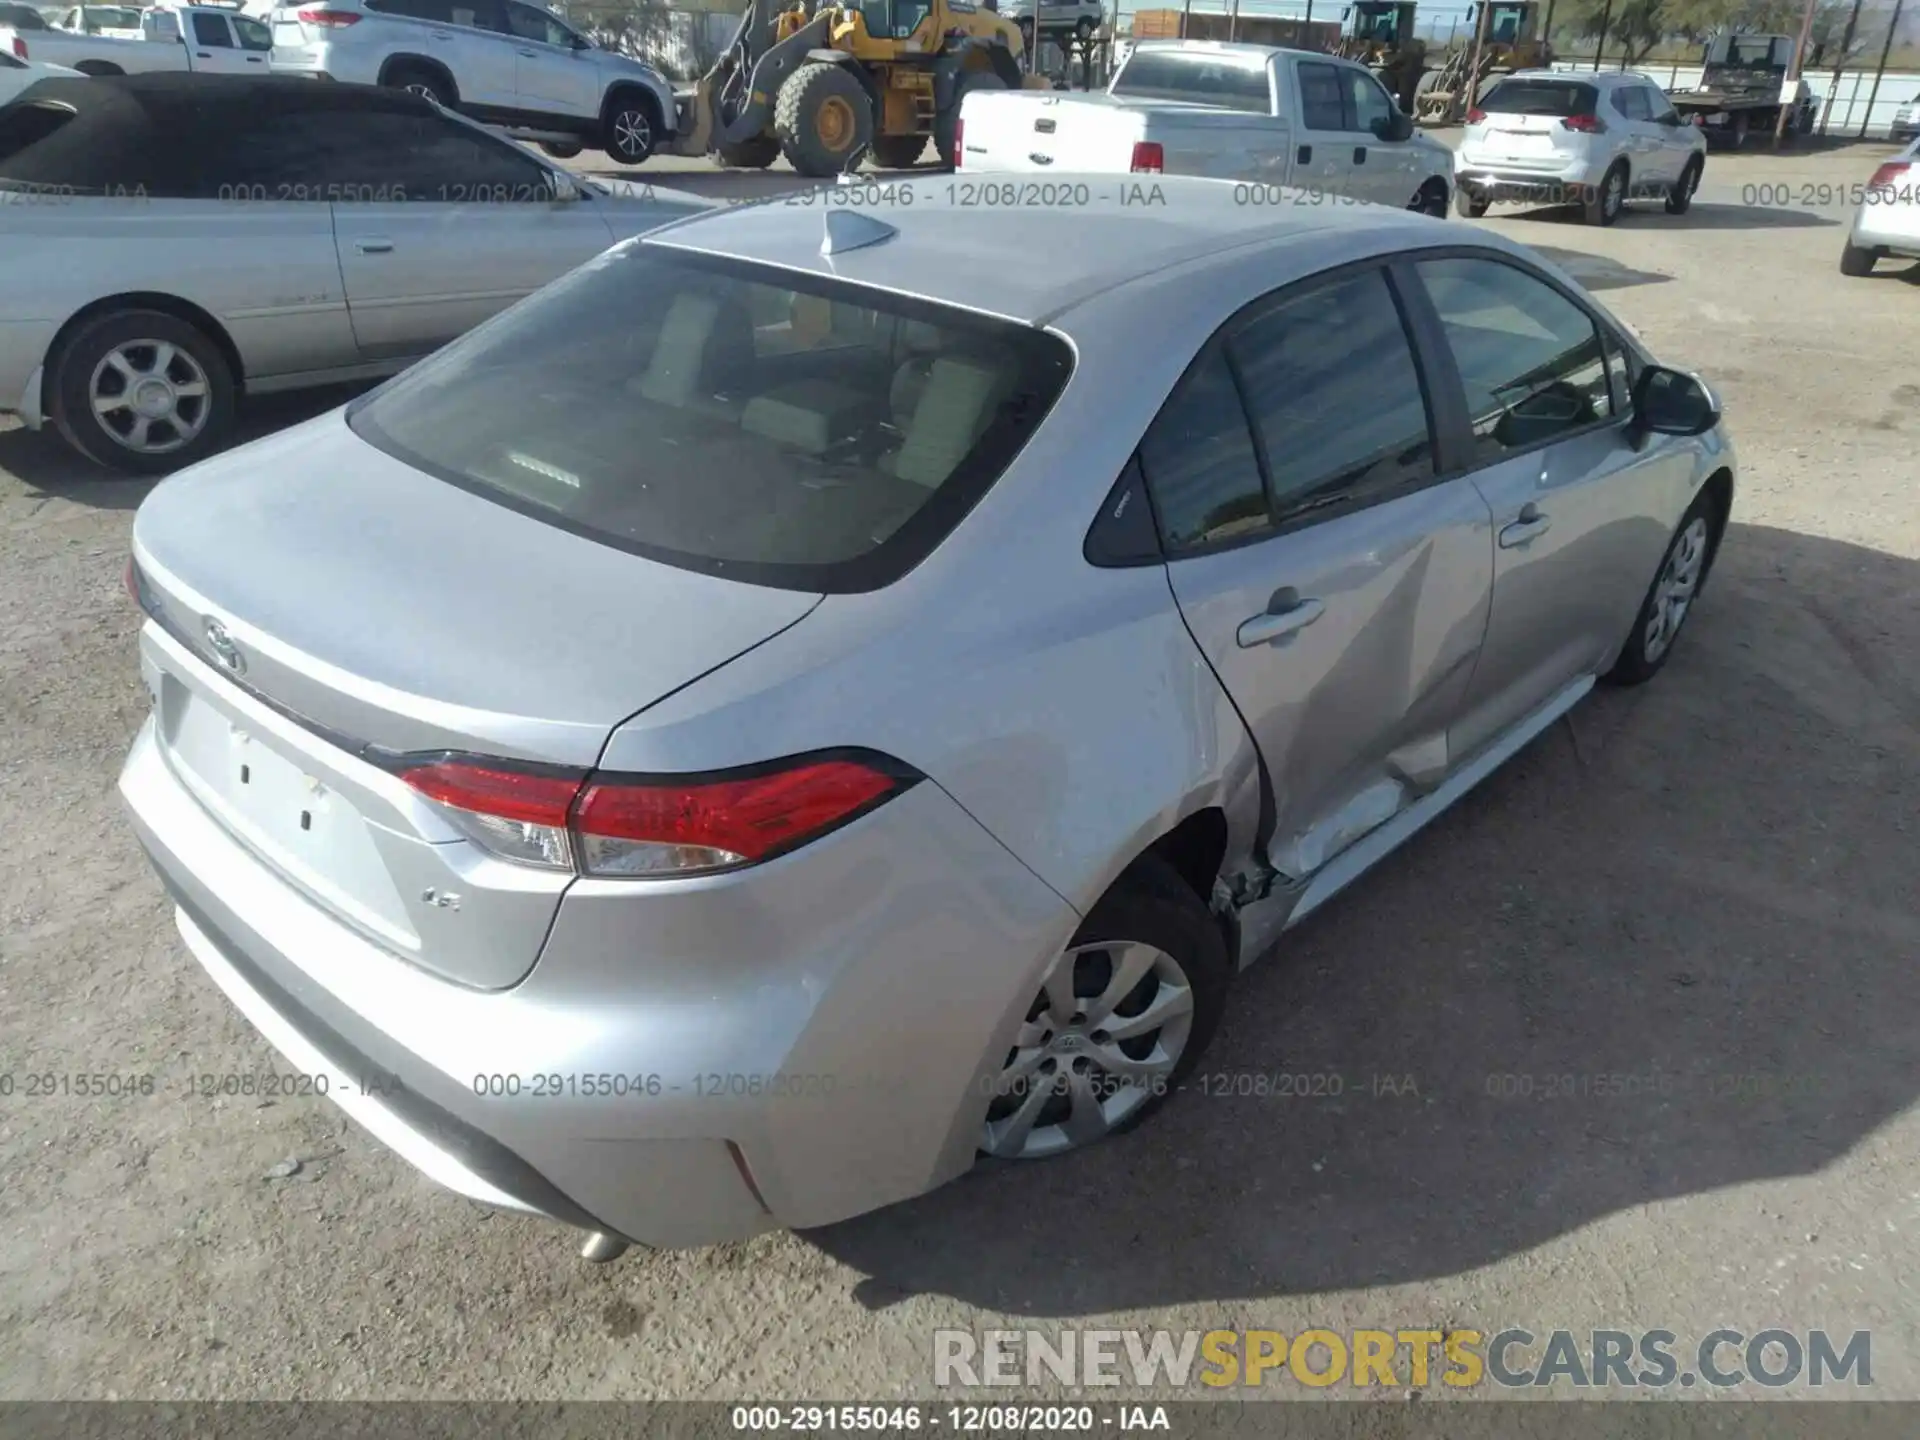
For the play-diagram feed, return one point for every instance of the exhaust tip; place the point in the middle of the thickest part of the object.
(603, 1249)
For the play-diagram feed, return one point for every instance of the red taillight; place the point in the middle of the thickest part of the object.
(19, 48)
(653, 826)
(959, 134)
(1888, 173)
(1148, 158)
(1585, 124)
(1476, 115)
(332, 18)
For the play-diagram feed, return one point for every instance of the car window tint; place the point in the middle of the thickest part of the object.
(360, 156)
(1559, 98)
(1222, 82)
(1631, 101)
(1335, 396)
(253, 35)
(629, 403)
(527, 23)
(1199, 461)
(1529, 357)
(1368, 107)
(1322, 97)
(211, 31)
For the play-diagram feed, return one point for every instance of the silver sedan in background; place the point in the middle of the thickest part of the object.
(285, 234)
(801, 703)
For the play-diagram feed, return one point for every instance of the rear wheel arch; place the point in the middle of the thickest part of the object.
(396, 67)
(184, 310)
(97, 68)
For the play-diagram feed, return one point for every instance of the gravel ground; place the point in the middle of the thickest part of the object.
(1713, 876)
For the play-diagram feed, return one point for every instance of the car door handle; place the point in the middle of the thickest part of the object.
(530, 54)
(1286, 614)
(1304, 155)
(253, 59)
(1359, 154)
(1530, 525)
(374, 247)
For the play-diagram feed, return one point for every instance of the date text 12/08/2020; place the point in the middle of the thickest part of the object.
(814, 1419)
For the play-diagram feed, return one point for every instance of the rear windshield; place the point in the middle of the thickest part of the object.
(740, 420)
(1198, 79)
(1540, 97)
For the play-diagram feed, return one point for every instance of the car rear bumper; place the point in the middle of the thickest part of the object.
(787, 1046)
(1551, 182)
(1892, 227)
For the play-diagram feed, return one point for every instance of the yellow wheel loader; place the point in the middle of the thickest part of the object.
(1379, 34)
(1503, 38)
(828, 85)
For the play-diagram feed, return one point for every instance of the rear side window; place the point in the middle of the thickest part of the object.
(1335, 396)
(1560, 98)
(1198, 78)
(211, 31)
(21, 128)
(742, 421)
(1531, 359)
(1200, 464)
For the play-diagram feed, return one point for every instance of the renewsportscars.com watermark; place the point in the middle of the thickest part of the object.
(1459, 1359)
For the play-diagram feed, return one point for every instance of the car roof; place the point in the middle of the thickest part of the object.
(968, 242)
(1600, 79)
(1245, 49)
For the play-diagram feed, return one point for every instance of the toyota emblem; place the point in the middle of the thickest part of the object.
(224, 649)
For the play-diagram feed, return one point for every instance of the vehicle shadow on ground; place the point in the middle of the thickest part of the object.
(46, 462)
(1667, 950)
(1701, 215)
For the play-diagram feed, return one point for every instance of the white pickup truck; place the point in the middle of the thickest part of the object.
(213, 39)
(1252, 113)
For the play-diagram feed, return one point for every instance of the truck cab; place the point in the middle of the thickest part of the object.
(220, 38)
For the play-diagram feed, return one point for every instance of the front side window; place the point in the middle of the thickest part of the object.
(527, 23)
(1531, 360)
(1631, 101)
(1371, 110)
(253, 35)
(652, 400)
(1335, 396)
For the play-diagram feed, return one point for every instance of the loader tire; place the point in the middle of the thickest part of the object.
(824, 120)
(898, 152)
(945, 123)
(756, 152)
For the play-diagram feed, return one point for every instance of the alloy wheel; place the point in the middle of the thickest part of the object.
(1101, 1040)
(150, 395)
(632, 132)
(1673, 592)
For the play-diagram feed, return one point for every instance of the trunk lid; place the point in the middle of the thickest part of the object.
(323, 603)
(1032, 132)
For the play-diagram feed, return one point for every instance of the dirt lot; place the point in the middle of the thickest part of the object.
(1713, 876)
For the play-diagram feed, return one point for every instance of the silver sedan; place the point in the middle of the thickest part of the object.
(802, 702)
(285, 234)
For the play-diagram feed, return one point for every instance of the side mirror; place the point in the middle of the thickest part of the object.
(565, 190)
(580, 42)
(1671, 402)
(1399, 127)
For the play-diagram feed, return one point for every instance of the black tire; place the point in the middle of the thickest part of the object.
(1470, 202)
(561, 152)
(1857, 261)
(824, 118)
(421, 81)
(1431, 200)
(70, 381)
(1150, 904)
(943, 123)
(1638, 663)
(756, 152)
(1603, 203)
(1680, 197)
(898, 152)
(630, 126)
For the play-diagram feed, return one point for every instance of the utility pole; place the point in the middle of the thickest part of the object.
(1839, 64)
(1186, 9)
(1233, 21)
(1893, 25)
(1791, 86)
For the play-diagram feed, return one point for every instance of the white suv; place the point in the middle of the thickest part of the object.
(1588, 139)
(499, 61)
